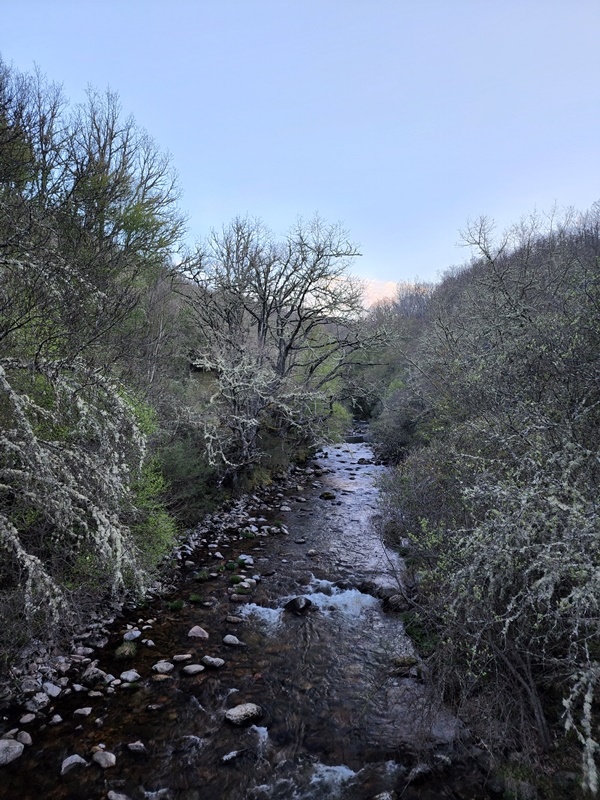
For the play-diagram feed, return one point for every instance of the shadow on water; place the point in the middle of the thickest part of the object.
(339, 718)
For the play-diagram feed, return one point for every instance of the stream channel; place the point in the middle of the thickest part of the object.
(344, 713)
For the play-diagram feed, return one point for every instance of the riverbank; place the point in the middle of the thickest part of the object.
(142, 704)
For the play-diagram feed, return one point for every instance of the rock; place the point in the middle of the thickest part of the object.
(117, 796)
(137, 747)
(232, 641)
(233, 619)
(131, 636)
(396, 602)
(93, 675)
(163, 667)
(245, 560)
(82, 712)
(72, 761)
(327, 495)
(26, 718)
(51, 689)
(216, 663)
(37, 702)
(231, 756)
(56, 720)
(298, 605)
(130, 676)
(192, 669)
(10, 749)
(246, 712)
(311, 552)
(182, 657)
(285, 508)
(31, 685)
(104, 759)
(198, 633)
(24, 738)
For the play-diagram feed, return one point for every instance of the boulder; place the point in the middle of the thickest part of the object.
(298, 605)
(10, 750)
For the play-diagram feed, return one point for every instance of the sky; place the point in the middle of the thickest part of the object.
(401, 119)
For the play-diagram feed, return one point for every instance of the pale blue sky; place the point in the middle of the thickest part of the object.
(400, 118)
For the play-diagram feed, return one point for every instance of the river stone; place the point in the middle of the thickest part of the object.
(9, 750)
(104, 759)
(213, 662)
(31, 685)
(192, 669)
(327, 496)
(131, 636)
(56, 720)
(162, 667)
(130, 676)
(24, 738)
(137, 747)
(82, 712)
(246, 712)
(182, 657)
(298, 605)
(232, 641)
(117, 796)
(38, 701)
(26, 718)
(198, 633)
(51, 689)
(70, 762)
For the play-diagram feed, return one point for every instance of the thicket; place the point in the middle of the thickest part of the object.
(493, 419)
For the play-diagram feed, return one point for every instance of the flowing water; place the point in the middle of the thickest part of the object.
(344, 713)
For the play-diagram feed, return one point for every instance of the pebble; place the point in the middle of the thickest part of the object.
(163, 667)
(56, 720)
(37, 702)
(117, 796)
(232, 641)
(198, 632)
(104, 759)
(192, 669)
(24, 738)
(70, 762)
(10, 750)
(182, 657)
(246, 712)
(216, 663)
(137, 747)
(130, 676)
(51, 689)
(131, 636)
(233, 619)
(82, 712)
(26, 718)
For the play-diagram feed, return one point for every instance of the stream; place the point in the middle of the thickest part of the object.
(342, 711)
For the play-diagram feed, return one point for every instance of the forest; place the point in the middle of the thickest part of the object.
(143, 382)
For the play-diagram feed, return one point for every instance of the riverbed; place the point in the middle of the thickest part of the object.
(336, 686)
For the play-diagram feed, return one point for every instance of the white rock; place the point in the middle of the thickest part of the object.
(24, 738)
(192, 669)
(130, 676)
(9, 750)
(26, 718)
(182, 657)
(198, 632)
(56, 720)
(117, 796)
(213, 662)
(70, 762)
(104, 759)
(162, 667)
(131, 636)
(232, 641)
(137, 747)
(82, 712)
(243, 713)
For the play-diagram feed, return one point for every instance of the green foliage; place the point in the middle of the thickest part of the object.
(154, 531)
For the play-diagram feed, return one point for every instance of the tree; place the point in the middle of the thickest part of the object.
(277, 322)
